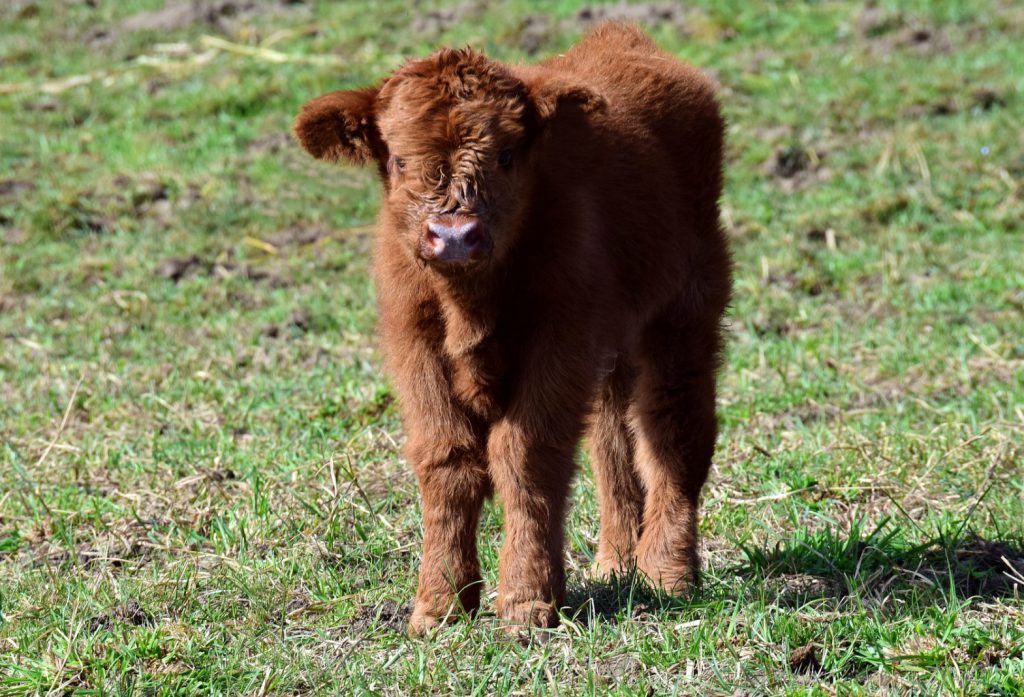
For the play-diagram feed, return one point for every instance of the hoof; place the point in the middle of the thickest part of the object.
(674, 579)
(434, 610)
(421, 623)
(534, 613)
(606, 569)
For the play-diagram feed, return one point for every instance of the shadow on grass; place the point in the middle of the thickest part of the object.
(881, 562)
(617, 598)
(829, 565)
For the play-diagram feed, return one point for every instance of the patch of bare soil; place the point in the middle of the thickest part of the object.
(874, 21)
(940, 107)
(616, 670)
(181, 15)
(797, 589)
(923, 40)
(299, 235)
(133, 613)
(129, 613)
(298, 600)
(790, 162)
(298, 323)
(152, 199)
(271, 144)
(229, 269)
(125, 199)
(824, 235)
(21, 9)
(13, 235)
(46, 105)
(433, 23)
(796, 167)
(651, 14)
(993, 656)
(89, 212)
(388, 615)
(987, 99)
(122, 542)
(15, 187)
(176, 269)
(886, 31)
(536, 31)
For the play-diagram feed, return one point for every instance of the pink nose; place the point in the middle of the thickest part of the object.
(452, 238)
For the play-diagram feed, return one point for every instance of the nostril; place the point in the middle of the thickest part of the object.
(472, 237)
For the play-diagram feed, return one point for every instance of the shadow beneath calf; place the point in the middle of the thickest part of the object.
(619, 598)
(831, 564)
(823, 566)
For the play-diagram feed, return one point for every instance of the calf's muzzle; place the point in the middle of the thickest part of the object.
(453, 239)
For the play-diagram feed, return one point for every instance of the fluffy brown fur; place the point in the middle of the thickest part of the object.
(587, 292)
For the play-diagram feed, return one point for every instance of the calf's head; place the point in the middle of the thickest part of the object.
(453, 138)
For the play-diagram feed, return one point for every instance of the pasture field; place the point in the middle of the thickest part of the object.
(201, 490)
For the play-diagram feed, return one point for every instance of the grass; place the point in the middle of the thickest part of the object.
(200, 483)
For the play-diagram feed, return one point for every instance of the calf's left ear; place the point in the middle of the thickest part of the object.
(341, 126)
(551, 97)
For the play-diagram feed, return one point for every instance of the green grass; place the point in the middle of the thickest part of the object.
(201, 490)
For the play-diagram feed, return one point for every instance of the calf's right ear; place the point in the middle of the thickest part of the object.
(550, 96)
(341, 126)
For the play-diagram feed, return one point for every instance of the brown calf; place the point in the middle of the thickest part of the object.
(548, 259)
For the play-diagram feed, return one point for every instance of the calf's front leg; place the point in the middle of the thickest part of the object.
(446, 449)
(531, 477)
(453, 485)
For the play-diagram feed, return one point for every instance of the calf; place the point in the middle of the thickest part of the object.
(548, 260)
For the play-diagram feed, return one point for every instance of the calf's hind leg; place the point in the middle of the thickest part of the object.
(619, 490)
(673, 415)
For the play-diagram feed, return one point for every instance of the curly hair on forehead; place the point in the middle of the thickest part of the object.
(463, 74)
(446, 113)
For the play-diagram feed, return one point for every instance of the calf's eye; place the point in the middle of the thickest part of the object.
(505, 157)
(396, 165)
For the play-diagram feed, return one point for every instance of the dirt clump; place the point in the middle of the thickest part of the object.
(804, 659)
